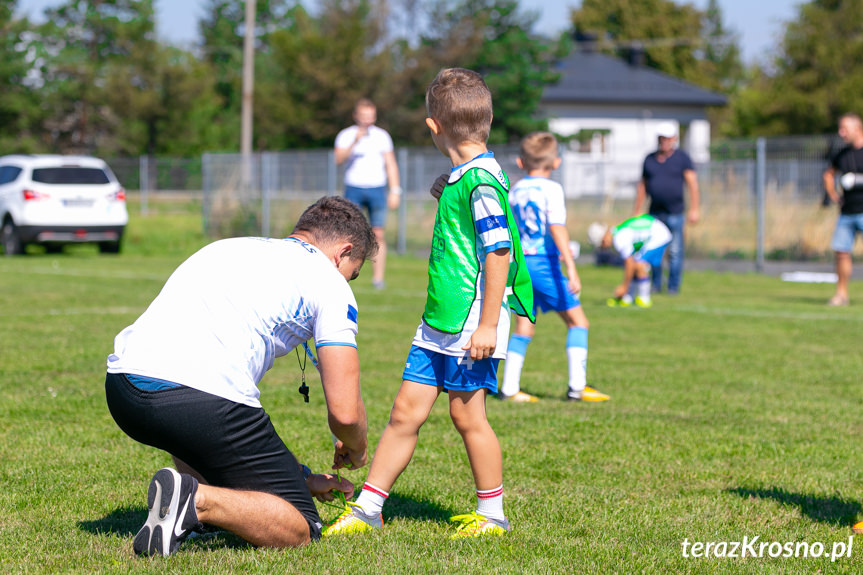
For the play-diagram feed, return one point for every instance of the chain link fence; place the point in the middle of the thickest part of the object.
(760, 199)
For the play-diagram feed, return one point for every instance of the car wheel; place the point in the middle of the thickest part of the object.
(109, 247)
(12, 245)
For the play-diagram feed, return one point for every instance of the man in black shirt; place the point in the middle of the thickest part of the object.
(848, 165)
(665, 172)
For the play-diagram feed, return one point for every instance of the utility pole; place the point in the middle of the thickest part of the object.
(248, 92)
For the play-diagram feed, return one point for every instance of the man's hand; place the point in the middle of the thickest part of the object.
(694, 215)
(323, 486)
(344, 458)
(437, 187)
(393, 199)
(620, 291)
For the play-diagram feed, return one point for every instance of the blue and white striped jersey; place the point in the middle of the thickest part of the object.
(537, 203)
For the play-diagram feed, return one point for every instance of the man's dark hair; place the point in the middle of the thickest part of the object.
(334, 219)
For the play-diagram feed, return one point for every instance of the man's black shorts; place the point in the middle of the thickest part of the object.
(230, 444)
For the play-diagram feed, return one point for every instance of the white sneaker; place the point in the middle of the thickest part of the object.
(171, 500)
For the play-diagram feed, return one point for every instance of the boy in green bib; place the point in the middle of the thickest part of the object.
(477, 274)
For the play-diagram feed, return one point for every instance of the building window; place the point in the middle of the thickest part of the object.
(593, 141)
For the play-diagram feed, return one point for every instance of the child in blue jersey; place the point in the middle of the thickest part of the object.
(540, 211)
(475, 259)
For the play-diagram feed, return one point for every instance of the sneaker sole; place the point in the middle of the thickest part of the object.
(488, 528)
(157, 536)
(350, 523)
(520, 397)
(593, 399)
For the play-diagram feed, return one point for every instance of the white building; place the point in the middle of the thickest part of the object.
(612, 108)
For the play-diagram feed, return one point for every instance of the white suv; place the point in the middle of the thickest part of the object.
(57, 200)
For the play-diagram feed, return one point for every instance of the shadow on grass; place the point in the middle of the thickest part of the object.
(833, 510)
(409, 508)
(125, 522)
(820, 301)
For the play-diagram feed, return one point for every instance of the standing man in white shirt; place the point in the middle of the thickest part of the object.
(184, 379)
(371, 168)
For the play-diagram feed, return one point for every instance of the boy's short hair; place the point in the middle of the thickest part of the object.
(333, 219)
(538, 151)
(460, 101)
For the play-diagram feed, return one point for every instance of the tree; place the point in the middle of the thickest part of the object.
(721, 52)
(817, 76)
(494, 38)
(222, 31)
(87, 39)
(319, 66)
(163, 102)
(677, 39)
(317, 69)
(20, 113)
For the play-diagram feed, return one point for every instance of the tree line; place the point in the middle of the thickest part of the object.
(93, 77)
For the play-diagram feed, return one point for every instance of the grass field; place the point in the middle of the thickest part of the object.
(736, 413)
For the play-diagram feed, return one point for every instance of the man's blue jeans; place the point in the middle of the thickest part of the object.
(675, 253)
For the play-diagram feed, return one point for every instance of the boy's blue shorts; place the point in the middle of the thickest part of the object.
(450, 372)
(550, 286)
(652, 257)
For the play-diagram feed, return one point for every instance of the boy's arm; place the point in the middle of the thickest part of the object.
(560, 235)
(484, 340)
(629, 268)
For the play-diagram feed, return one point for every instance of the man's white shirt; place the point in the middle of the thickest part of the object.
(365, 167)
(233, 307)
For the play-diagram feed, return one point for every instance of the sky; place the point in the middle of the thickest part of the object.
(758, 23)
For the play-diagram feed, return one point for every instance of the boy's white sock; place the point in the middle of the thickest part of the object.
(576, 354)
(372, 499)
(489, 503)
(515, 352)
(642, 287)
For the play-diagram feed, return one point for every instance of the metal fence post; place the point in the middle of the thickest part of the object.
(206, 191)
(402, 245)
(332, 173)
(760, 184)
(266, 188)
(144, 179)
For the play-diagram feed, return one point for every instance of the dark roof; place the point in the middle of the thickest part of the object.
(598, 78)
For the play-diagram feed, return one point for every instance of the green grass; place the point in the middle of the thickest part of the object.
(735, 412)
